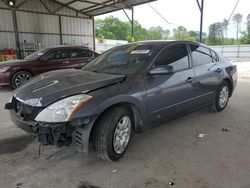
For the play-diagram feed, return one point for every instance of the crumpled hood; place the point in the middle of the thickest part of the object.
(12, 62)
(49, 87)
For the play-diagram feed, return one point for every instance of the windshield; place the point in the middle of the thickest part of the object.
(36, 55)
(124, 60)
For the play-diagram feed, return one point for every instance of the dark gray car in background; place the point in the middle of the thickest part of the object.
(128, 88)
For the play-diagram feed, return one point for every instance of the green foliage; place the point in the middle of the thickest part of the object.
(113, 28)
(157, 33)
(245, 39)
(248, 24)
(180, 33)
(237, 19)
(216, 36)
(140, 33)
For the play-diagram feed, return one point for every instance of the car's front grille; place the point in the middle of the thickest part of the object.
(24, 111)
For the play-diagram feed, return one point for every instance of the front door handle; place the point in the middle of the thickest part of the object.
(65, 62)
(189, 79)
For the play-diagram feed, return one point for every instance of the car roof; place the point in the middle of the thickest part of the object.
(164, 42)
(67, 46)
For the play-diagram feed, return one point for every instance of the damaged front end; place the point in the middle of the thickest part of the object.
(57, 134)
(71, 133)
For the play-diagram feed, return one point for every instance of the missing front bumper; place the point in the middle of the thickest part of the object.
(56, 134)
(75, 133)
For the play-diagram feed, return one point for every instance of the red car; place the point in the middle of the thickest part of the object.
(16, 72)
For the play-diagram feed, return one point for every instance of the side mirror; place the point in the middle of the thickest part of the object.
(161, 70)
(45, 59)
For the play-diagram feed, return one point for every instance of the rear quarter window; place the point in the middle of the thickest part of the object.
(200, 55)
(215, 56)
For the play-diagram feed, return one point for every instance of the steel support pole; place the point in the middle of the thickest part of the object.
(201, 21)
(132, 23)
(16, 33)
(132, 26)
(60, 29)
(94, 33)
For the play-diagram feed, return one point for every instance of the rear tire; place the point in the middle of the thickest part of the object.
(222, 97)
(20, 78)
(112, 134)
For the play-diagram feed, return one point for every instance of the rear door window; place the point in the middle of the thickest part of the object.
(59, 54)
(81, 53)
(200, 55)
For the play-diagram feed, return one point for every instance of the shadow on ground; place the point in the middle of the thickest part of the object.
(13, 145)
(87, 185)
(5, 89)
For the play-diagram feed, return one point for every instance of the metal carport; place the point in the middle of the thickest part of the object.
(54, 22)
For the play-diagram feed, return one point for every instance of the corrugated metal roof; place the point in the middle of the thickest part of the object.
(98, 7)
(81, 8)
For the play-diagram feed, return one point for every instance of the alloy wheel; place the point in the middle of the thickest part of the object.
(122, 134)
(20, 79)
(223, 96)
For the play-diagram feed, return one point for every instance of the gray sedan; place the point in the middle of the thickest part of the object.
(128, 88)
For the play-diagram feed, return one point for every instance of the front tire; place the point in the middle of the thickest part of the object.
(222, 97)
(19, 78)
(112, 134)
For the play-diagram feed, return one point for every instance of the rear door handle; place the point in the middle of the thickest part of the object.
(65, 62)
(219, 70)
(189, 79)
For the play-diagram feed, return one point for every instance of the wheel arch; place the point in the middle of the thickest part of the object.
(20, 70)
(230, 83)
(138, 115)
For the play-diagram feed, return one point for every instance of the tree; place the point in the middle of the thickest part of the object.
(215, 35)
(157, 33)
(245, 39)
(112, 28)
(181, 33)
(237, 19)
(196, 35)
(105, 34)
(140, 33)
(225, 25)
(166, 34)
(248, 25)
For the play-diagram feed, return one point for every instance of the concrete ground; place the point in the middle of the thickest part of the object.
(172, 152)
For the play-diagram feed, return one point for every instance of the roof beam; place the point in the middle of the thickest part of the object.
(127, 4)
(111, 5)
(62, 6)
(45, 6)
(95, 5)
(21, 4)
(77, 11)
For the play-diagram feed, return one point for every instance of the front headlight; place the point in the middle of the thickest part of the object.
(4, 69)
(63, 110)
